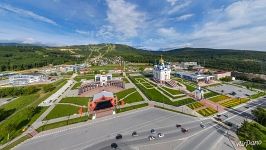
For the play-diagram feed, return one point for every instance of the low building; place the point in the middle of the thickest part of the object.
(195, 77)
(186, 65)
(221, 74)
(103, 79)
(24, 79)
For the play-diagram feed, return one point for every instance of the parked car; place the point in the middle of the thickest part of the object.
(114, 146)
(178, 125)
(134, 133)
(153, 131)
(118, 136)
(160, 135)
(151, 138)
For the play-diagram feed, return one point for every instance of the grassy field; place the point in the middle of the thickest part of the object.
(131, 107)
(83, 101)
(234, 102)
(189, 85)
(169, 94)
(194, 105)
(133, 97)
(62, 111)
(253, 131)
(86, 77)
(172, 91)
(155, 95)
(260, 94)
(219, 98)
(210, 94)
(25, 113)
(207, 111)
(63, 123)
(76, 86)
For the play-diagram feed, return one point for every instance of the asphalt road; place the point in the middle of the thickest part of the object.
(100, 133)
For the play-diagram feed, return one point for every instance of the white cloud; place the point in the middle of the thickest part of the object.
(172, 2)
(168, 33)
(26, 13)
(124, 17)
(184, 17)
(177, 7)
(241, 25)
(86, 33)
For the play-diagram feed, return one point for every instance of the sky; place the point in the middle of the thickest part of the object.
(150, 24)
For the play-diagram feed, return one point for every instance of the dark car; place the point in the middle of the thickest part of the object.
(118, 136)
(246, 106)
(153, 131)
(178, 125)
(218, 119)
(226, 115)
(184, 130)
(134, 133)
(114, 146)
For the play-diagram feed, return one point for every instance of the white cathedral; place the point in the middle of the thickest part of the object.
(161, 72)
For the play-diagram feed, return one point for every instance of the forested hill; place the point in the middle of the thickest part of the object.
(25, 57)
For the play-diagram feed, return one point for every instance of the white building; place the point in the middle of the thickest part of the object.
(24, 79)
(161, 72)
(221, 74)
(103, 78)
(199, 93)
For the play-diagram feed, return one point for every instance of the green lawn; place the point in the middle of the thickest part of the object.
(61, 110)
(207, 111)
(63, 123)
(133, 97)
(189, 85)
(131, 107)
(172, 91)
(83, 101)
(86, 77)
(234, 102)
(155, 95)
(76, 86)
(194, 105)
(219, 98)
(260, 94)
(252, 131)
(210, 94)
(25, 115)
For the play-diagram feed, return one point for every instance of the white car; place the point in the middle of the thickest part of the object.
(160, 135)
(151, 138)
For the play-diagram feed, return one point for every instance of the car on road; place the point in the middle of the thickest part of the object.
(202, 125)
(184, 130)
(151, 138)
(153, 131)
(178, 125)
(134, 133)
(160, 135)
(114, 146)
(246, 106)
(118, 136)
(226, 115)
(218, 119)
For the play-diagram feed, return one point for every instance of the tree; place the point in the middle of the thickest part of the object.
(260, 114)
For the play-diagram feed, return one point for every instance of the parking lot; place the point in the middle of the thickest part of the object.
(232, 90)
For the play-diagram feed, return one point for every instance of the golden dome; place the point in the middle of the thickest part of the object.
(161, 60)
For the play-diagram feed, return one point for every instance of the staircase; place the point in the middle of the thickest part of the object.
(171, 83)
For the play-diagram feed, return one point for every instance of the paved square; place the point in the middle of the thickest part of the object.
(229, 89)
